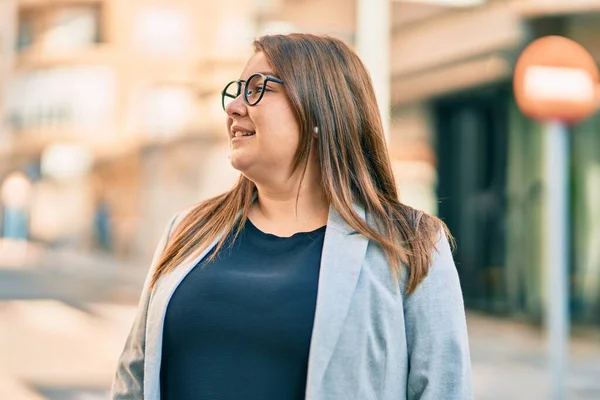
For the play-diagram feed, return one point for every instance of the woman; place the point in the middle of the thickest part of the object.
(309, 279)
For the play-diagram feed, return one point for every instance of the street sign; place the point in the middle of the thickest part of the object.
(556, 81)
(555, 78)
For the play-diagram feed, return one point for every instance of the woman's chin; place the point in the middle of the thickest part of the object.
(241, 162)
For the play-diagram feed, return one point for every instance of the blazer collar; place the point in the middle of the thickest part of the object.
(341, 261)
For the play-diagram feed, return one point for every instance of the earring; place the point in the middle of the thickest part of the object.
(316, 130)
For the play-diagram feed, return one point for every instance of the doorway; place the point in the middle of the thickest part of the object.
(471, 146)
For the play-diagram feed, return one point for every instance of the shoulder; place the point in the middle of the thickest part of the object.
(180, 215)
(414, 226)
(441, 273)
(174, 222)
(426, 243)
(426, 228)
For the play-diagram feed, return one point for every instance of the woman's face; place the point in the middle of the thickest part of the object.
(271, 131)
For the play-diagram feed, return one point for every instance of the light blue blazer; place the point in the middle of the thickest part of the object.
(370, 340)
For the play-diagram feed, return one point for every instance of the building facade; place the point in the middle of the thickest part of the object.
(452, 73)
(101, 89)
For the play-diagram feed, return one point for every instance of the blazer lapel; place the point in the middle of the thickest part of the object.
(342, 257)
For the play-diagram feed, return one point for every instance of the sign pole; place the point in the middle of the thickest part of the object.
(556, 81)
(557, 253)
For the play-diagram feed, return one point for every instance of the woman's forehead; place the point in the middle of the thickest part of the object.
(257, 63)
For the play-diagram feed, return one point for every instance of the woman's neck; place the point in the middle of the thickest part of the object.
(284, 211)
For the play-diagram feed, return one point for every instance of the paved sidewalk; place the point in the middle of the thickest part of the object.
(30, 270)
(509, 361)
(23, 255)
(53, 351)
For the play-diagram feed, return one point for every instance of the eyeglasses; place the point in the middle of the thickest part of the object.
(254, 89)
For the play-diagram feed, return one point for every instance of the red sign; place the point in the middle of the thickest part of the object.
(556, 79)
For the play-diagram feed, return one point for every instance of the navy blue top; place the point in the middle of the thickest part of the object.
(240, 326)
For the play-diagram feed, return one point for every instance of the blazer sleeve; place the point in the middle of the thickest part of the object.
(436, 331)
(129, 378)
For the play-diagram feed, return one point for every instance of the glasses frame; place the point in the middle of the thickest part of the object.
(240, 82)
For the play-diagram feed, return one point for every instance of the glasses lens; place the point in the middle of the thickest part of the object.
(230, 93)
(254, 89)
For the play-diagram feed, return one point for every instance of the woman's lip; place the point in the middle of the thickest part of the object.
(236, 138)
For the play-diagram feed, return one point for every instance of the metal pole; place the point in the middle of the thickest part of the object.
(556, 249)
(373, 46)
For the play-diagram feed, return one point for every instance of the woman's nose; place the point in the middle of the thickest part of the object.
(236, 107)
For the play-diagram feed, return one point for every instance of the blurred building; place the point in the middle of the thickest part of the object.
(113, 113)
(451, 88)
(112, 109)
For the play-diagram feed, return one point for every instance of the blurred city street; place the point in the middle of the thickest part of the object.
(63, 341)
(112, 121)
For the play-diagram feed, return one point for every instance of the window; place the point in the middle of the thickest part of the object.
(72, 28)
(26, 32)
(62, 97)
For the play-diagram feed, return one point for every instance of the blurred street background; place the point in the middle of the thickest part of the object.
(111, 121)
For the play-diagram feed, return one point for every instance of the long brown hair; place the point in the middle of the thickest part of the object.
(329, 87)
